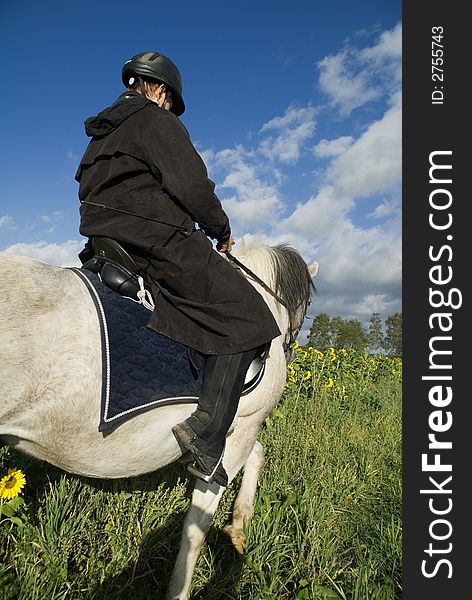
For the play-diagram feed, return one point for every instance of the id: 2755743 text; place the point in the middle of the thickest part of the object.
(437, 62)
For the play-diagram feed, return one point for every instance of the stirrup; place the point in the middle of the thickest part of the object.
(218, 475)
(185, 437)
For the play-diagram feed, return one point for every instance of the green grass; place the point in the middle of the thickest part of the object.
(327, 521)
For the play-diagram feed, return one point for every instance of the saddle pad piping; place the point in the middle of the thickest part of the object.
(103, 334)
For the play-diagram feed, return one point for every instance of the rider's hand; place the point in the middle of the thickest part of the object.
(225, 246)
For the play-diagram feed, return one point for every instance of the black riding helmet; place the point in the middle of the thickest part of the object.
(156, 66)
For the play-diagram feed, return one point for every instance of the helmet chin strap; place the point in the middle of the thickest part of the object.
(141, 86)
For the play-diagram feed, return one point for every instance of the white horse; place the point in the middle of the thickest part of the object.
(50, 381)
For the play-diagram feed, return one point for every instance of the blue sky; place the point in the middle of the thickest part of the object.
(295, 108)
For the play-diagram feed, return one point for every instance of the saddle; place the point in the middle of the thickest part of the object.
(116, 268)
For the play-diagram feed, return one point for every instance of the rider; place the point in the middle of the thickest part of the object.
(152, 187)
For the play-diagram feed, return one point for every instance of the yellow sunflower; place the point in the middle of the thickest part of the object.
(11, 484)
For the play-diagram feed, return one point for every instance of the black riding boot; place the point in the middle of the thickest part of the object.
(203, 434)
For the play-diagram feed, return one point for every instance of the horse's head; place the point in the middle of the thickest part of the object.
(285, 277)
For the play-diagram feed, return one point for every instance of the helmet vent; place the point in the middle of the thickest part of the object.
(154, 56)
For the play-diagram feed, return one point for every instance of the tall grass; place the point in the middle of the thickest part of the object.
(327, 521)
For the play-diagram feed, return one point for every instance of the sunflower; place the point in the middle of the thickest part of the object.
(11, 484)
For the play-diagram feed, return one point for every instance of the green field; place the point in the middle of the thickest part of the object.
(327, 521)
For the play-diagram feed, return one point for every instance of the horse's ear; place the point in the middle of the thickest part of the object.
(313, 268)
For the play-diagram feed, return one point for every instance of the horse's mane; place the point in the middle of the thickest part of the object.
(283, 269)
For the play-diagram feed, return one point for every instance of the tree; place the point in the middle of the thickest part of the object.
(393, 334)
(351, 335)
(326, 332)
(320, 336)
(374, 335)
(336, 336)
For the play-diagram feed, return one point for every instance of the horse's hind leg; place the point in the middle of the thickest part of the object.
(244, 503)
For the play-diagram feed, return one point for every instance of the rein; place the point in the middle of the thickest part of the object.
(256, 278)
(287, 346)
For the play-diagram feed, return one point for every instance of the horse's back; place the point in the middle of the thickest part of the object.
(35, 299)
(28, 283)
(48, 327)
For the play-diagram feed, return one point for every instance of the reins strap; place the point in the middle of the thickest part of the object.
(255, 277)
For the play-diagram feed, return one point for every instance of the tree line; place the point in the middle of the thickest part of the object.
(375, 338)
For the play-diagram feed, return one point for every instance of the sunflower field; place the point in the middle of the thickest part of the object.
(342, 370)
(327, 519)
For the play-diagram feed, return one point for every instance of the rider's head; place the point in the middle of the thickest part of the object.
(157, 78)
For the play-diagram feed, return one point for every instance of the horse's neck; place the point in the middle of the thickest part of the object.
(258, 259)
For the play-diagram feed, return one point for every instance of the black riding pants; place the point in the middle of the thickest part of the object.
(223, 382)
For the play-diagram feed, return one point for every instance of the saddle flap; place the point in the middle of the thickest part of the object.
(110, 249)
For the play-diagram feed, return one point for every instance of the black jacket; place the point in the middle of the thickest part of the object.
(141, 160)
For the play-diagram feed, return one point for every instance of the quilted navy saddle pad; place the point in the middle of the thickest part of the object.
(141, 369)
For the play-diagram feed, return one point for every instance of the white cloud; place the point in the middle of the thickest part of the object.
(360, 267)
(352, 77)
(6, 221)
(253, 213)
(332, 148)
(373, 163)
(55, 216)
(352, 305)
(256, 201)
(386, 209)
(62, 255)
(361, 257)
(292, 116)
(347, 87)
(374, 303)
(388, 48)
(360, 273)
(312, 219)
(295, 128)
